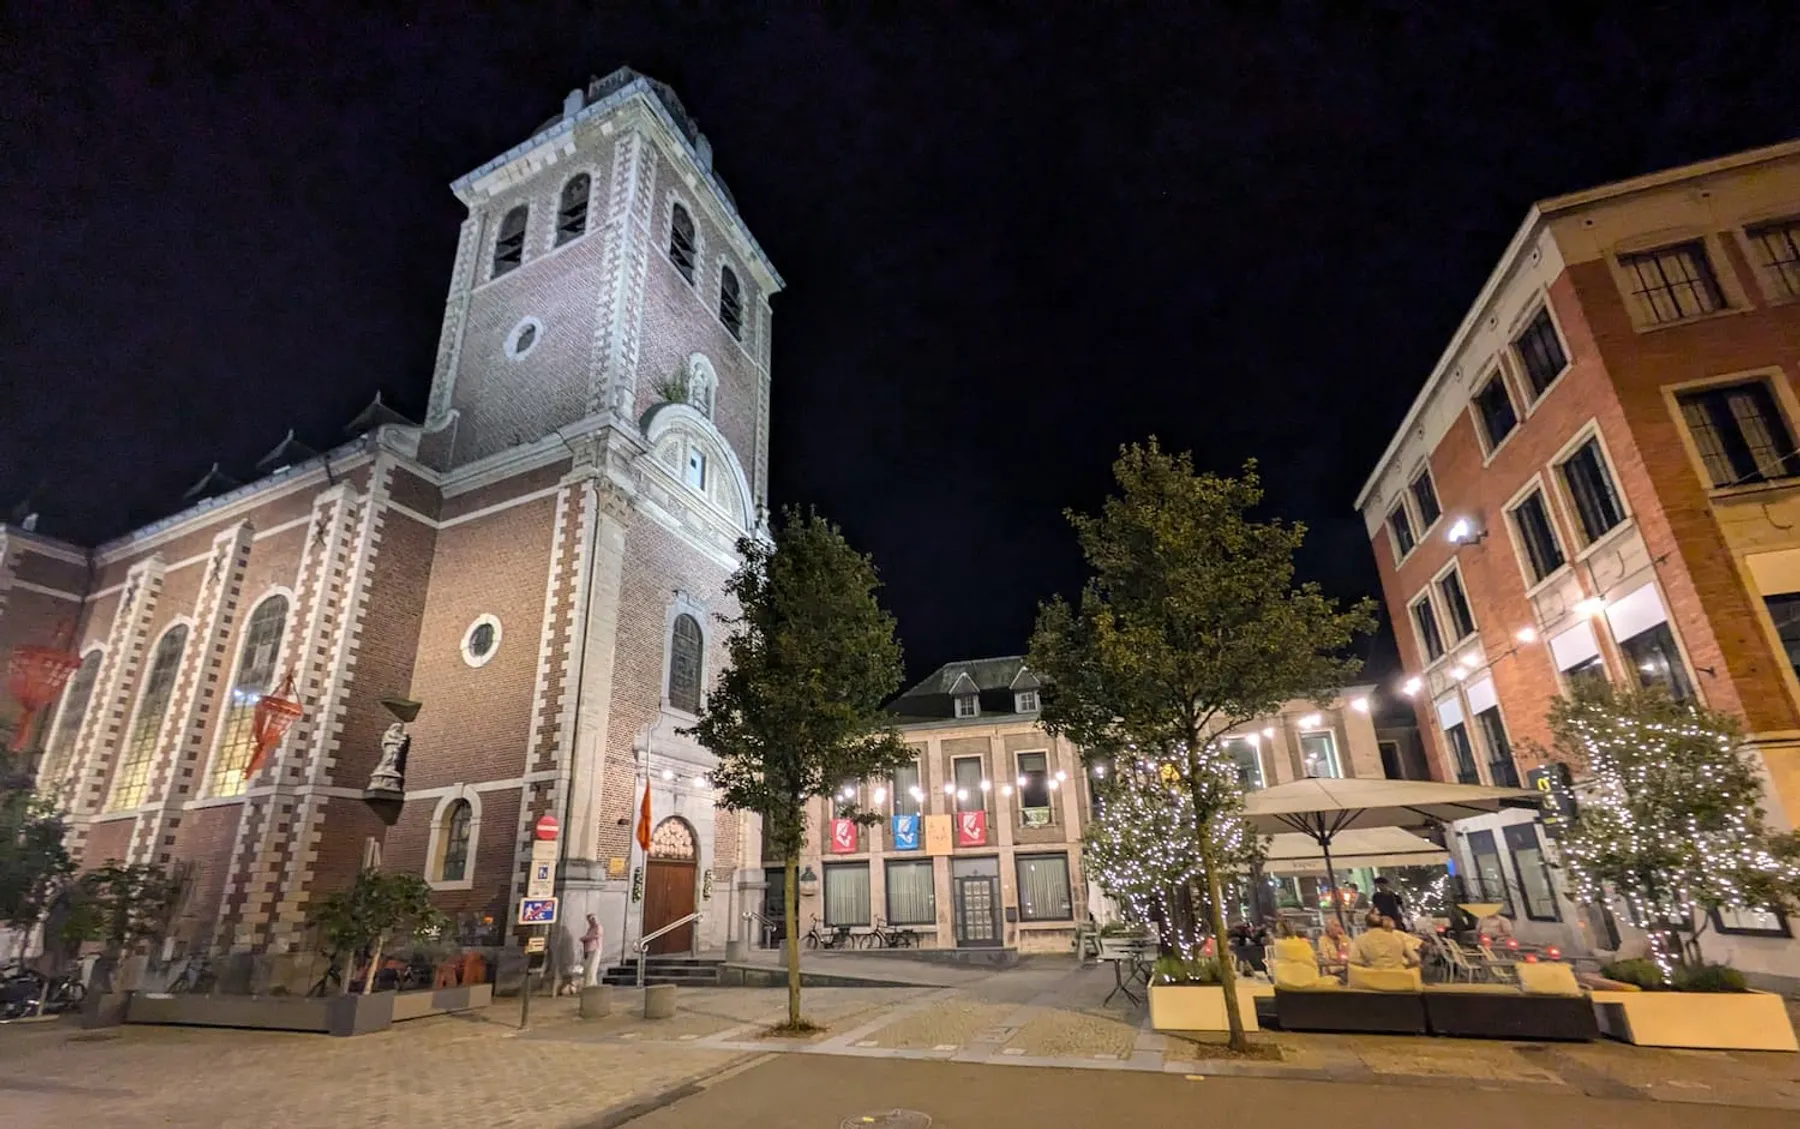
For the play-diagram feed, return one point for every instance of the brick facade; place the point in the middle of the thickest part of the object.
(1687, 557)
(549, 496)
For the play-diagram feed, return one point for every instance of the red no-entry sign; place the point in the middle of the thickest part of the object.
(548, 828)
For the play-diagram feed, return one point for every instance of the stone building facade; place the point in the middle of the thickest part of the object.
(1599, 480)
(978, 843)
(540, 564)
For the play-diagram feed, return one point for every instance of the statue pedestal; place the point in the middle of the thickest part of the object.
(385, 803)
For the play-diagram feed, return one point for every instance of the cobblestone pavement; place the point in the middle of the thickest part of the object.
(568, 1072)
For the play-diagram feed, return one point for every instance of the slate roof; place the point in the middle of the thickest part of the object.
(934, 696)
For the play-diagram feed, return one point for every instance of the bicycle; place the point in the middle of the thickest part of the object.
(839, 938)
(196, 978)
(25, 993)
(885, 936)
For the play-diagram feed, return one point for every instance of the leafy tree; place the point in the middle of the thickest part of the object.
(1189, 626)
(380, 906)
(798, 711)
(1671, 819)
(34, 865)
(121, 906)
(1143, 849)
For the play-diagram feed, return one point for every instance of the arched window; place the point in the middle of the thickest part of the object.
(682, 251)
(255, 676)
(571, 217)
(509, 246)
(685, 642)
(731, 303)
(74, 711)
(132, 778)
(457, 821)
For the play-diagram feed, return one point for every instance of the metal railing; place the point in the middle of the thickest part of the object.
(643, 945)
(768, 927)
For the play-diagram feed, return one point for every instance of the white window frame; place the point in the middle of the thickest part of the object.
(1420, 535)
(1774, 292)
(1771, 377)
(1589, 430)
(1026, 701)
(1474, 632)
(1424, 596)
(973, 701)
(1731, 290)
(1517, 539)
(469, 656)
(1387, 524)
(1519, 326)
(1495, 371)
(437, 842)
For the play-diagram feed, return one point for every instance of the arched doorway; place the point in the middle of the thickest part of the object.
(669, 884)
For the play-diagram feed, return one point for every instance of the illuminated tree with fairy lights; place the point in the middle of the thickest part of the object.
(1670, 820)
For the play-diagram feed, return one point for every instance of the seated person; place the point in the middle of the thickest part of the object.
(1247, 943)
(1295, 964)
(1334, 944)
(1381, 947)
(1496, 926)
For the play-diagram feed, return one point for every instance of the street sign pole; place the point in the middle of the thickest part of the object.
(537, 909)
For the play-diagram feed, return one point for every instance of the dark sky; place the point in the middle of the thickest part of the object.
(1010, 247)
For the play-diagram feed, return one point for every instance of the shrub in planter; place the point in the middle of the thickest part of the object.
(1645, 974)
(1178, 970)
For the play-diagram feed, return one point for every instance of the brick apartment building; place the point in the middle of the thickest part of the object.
(539, 564)
(979, 840)
(1599, 478)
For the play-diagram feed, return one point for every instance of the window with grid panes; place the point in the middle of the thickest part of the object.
(1424, 493)
(1401, 525)
(1673, 283)
(1784, 610)
(131, 780)
(1493, 404)
(256, 674)
(1740, 433)
(1462, 751)
(685, 645)
(457, 821)
(1591, 488)
(1532, 519)
(1777, 249)
(1425, 619)
(509, 245)
(1541, 353)
(68, 728)
(1456, 603)
(682, 249)
(1501, 770)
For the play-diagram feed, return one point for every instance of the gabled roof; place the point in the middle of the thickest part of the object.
(994, 680)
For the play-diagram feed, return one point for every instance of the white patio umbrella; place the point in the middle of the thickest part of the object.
(1324, 809)
(1294, 853)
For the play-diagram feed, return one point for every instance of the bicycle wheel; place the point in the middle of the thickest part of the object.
(812, 940)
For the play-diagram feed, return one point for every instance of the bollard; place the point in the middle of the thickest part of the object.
(659, 1001)
(596, 1002)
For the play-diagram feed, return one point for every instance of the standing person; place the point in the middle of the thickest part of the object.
(590, 953)
(1389, 903)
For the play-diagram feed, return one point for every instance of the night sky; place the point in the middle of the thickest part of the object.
(1009, 248)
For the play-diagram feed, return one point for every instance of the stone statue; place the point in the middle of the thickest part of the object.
(390, 774)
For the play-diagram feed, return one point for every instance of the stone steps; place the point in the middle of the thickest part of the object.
(690, 972)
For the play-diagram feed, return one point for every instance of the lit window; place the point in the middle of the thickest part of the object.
(1494, 407)
(1318, 756)
(68, 729)
(1044, 888)
(911, 896)
(1740, 434)
(1424, 493)
(1777, 247)
(908, 793)
(1025, 701)
(1541, 353)
(509, 246)
(1401, 527)
(256, 674)
(1655, 661)
(731, 303)
(1532, 519)
(1534, 875)
(685, 643)
(1249, 762)
(847, 893)
(572, 215)
(1034, 788)
(1425, 619)
(682, 250)
(132, 779)
(1591, 487)
(1672, 283)
(457, 823)
(968, 705)
(966, 772)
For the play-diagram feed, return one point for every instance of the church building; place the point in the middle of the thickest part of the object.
(518, 599)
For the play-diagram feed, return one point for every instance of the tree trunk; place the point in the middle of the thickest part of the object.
(1222, 943)
(374, 963)
(790, 912)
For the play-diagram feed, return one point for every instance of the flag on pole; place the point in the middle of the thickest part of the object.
(643, 823)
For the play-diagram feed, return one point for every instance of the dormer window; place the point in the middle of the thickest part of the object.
(1025, 701)
(968, 705)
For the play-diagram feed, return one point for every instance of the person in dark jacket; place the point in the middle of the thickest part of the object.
(1389, 903)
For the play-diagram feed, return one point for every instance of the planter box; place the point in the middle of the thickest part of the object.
(1200, 1007)
(418, 1005)
(1732, 1021)
(268, 1013)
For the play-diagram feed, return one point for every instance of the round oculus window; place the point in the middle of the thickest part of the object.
(524, 338)
(481, 641)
